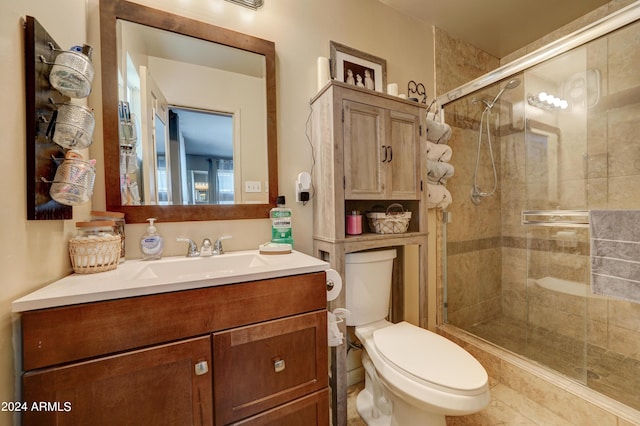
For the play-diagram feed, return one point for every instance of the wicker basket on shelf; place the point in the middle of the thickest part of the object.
(394, 221)
(89, 256)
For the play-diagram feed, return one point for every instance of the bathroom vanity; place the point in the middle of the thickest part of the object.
(249, 352)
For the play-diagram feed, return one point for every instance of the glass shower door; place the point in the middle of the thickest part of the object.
(558, 94)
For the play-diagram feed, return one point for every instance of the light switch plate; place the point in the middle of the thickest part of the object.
(252, 186)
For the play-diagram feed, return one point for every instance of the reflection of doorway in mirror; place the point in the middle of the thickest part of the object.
(163, 187)
(203, 148)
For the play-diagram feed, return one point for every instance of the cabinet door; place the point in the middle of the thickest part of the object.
(364, 153)
(306, 411)
(162, 385)
(262, 366)
(404, 156)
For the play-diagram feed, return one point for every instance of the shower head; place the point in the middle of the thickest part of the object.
(511, 84)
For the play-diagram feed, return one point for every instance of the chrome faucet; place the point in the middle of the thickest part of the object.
(193, 248)
(217, 246)
(206, 248)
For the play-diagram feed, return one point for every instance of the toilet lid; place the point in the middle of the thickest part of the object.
(430, 357)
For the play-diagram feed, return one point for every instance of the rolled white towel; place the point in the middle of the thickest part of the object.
(438, 196)
(439, 152)
(438, 132)
(439, 172)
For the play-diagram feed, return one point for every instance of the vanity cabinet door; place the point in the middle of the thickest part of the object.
(262, 366)
(162, 385)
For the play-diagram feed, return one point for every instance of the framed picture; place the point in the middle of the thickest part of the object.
(361, 69)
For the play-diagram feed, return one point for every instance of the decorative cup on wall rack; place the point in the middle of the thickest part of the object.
(72, 126)
(74, 179)
(72, 72)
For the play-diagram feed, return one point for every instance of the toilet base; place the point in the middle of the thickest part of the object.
(403, 414)
(367, 410)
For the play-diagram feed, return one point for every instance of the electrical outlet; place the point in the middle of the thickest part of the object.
(252, 186)
(303, 184)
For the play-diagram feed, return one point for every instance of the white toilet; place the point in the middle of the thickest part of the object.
(412, 376)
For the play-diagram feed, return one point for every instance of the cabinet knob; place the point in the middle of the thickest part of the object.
(278, 365)
(201, 368)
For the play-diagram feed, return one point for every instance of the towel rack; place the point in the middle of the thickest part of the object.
(566, 218)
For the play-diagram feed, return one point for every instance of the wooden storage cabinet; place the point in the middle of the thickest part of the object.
(369, 151)
(203, 357)
(381, 153)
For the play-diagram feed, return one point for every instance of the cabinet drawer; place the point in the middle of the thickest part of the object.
(308, 411)
(259, 367)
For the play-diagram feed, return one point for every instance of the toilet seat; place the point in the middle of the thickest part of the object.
(428, 358)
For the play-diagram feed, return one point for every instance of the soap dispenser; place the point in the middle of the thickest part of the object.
(151, 243)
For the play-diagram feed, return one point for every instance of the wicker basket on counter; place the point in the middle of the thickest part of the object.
(394, 221)
(89, 256)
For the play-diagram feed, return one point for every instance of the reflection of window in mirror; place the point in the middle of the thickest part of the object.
(202, 151)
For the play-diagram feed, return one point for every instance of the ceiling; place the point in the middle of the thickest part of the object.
(499, 27)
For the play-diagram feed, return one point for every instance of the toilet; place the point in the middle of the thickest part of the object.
(412, 376)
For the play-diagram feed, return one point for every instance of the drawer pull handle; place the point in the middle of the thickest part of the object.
(201, 368)
(278, 365)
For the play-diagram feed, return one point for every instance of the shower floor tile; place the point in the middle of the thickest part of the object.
(609, 373)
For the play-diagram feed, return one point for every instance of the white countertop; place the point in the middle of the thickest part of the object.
(139, 278)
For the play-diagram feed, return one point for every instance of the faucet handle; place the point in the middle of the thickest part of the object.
(206, 249)
(193, 248)
(217, 246)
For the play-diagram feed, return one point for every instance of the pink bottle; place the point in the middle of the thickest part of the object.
(354, 223)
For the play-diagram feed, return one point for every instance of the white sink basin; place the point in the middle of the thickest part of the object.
(184, 268)
(138, 277)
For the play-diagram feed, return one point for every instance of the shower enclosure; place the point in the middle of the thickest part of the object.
(556, 139)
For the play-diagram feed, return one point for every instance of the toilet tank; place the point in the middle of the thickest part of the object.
(368, 285)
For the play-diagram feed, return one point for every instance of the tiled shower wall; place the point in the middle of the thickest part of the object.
(474, 250)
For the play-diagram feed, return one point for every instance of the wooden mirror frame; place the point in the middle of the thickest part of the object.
(110, 11)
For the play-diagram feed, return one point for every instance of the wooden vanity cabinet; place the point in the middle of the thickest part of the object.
(252, 353)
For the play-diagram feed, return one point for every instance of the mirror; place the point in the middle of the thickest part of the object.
(189, 131)
(542, 144)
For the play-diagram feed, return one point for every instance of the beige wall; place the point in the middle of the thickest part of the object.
(34, 252)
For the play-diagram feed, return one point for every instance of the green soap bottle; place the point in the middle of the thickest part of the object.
(281, 220)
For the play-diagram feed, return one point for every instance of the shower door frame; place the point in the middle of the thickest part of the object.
(599, 28)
